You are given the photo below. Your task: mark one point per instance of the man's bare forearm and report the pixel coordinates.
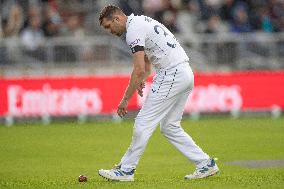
(146, 75)
(134, 83)
(137, 76)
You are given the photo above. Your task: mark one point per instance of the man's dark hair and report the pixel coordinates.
(108, 12)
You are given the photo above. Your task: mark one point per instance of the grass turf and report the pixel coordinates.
(36, 156)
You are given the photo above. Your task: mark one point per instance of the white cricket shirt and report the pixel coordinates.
(160, 45)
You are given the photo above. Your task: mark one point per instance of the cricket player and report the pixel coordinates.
(152, 43)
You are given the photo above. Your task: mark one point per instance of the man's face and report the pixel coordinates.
(113, 26)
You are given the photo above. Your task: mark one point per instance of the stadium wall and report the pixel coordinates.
(93, 95)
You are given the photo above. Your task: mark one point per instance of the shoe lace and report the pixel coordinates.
(196, 172)
(116, 166)
(199, 171)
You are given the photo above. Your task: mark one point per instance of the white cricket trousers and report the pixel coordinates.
(165, 104)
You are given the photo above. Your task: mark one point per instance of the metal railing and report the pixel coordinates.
(230, 51)
(208, 52)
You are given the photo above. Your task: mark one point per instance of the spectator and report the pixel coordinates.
(14, 22)
(131, 6)
(214, 25)
(241, 22)
(187, 18)
(1, 32)
(3, 54)
(169, 20)
(74, 28)
(53, 24)
(32, 36)
(266, 22)
(207, 7)
(71, 28)
(277, 14)
(226, 10)
(151, 7)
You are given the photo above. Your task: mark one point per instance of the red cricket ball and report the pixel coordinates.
(82, 178)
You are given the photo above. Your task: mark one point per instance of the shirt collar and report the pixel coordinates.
(129, 19)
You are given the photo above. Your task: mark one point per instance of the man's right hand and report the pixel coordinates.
(122, 108)
(140, 89)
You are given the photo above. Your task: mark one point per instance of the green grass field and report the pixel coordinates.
(36, 156)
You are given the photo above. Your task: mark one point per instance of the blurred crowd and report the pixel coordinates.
(32, 22)
(213, 16)
(34, 19)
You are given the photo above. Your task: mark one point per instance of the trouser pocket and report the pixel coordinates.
(164, 84)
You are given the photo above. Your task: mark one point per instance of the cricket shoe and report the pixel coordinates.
(209, 170)
(116, 174)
